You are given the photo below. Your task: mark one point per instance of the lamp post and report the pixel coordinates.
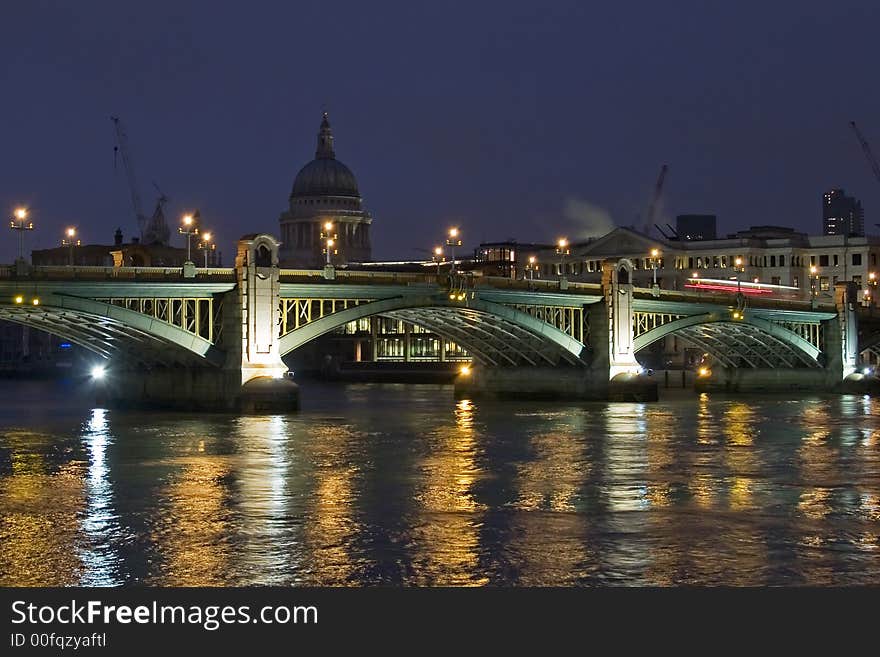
(452, 241)
(329, 238)
(655, 254)
(438, 257)
(562, 249)
(814, 282)
(188, 228)
(738, 266)
(70, 242)
(533, 263)
(206, 245)
(20, 223)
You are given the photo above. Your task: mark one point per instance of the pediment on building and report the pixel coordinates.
(621, 242)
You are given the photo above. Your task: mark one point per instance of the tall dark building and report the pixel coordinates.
(692, 227)
(842, 214)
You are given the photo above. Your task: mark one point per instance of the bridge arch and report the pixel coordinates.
(114, 332)
(757, 342)
(495, 334)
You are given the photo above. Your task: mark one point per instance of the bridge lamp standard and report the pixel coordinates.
(531, 267)
(738, 267)
(20, 223)
(329, 238)
(814, 281)
(562, 249)
(207, 245)
(438, 257)
(188, 228)
(70, 241)
(655, 262)
(453, 240)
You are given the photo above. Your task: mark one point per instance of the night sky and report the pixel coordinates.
(526, 120)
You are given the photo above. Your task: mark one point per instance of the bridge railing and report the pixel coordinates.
(61, 272)
(723, 298)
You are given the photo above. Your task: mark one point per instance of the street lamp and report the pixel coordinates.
(330, 240)
(738, 266)
(20, 223)
(206, 245)
(655, 254)
(814, 281)
(188, 228)
(452, 241)
(533, 264)
(69, 241)
(562, 249)
(438, 257)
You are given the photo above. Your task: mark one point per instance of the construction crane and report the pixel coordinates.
(658, 190)
(123, 149)
(866, 148)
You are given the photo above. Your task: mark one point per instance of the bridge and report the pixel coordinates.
(214, 338)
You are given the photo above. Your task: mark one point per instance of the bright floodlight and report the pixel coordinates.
(187, 219)
(453, 232)
(21, 214)
(563, 243)
(98, 372)
(438, 250)
(71, 232)
(655, 253)
(206, 237)
(465, 370)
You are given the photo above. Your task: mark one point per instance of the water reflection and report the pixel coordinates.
(100, 561)
(404, 485)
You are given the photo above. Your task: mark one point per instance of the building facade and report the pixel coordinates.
(325, 204)
(121, 254)
(842, 214)
(810, 264)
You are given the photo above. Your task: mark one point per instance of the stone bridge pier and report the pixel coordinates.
(608, 370)
(246, 372)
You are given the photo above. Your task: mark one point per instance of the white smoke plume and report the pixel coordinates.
(587, 219)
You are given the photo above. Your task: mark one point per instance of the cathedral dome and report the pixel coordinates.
(325, 175)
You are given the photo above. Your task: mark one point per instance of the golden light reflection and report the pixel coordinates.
(39, 527)
(332, 528)
(447, 546)
(193, 530)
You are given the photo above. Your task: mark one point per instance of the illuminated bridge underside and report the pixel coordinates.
(754, 342)
(114, 332)
(493, 333)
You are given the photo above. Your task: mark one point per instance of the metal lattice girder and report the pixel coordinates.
(192, 314)
(494, 332)
(111, 330)
(756, 341)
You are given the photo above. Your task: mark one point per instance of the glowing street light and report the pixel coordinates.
(438, 257)
(329, 238)
(562, 249)
(20, 223)
(655, 255)
(531, 267)
(70, 241)
(206, 245)
(188, 228)
(453, 240)
(738, 267)
(814, 281)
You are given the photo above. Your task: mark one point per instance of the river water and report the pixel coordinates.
(404, 485)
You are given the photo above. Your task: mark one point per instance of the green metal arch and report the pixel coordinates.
(298, 337)
(156, 328)
(779, 332)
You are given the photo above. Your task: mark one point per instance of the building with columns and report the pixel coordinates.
(773, 255)
(325, 192)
